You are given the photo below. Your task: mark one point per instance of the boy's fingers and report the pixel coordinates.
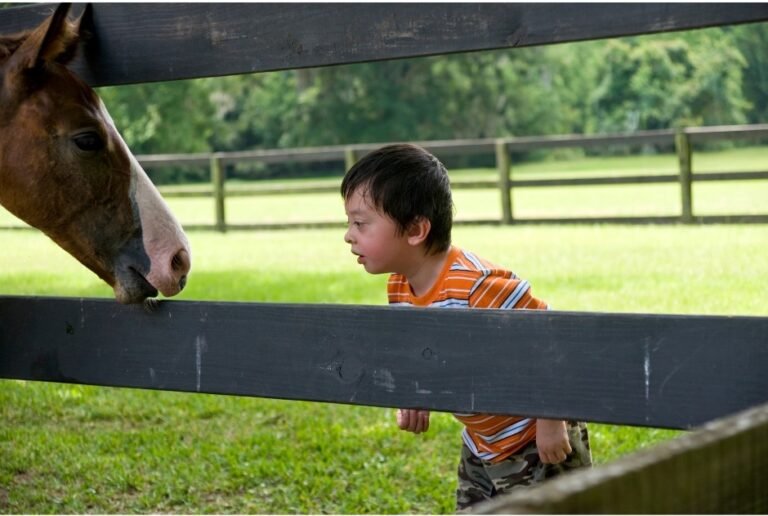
(404, 420)
(412, 420)
(417, 422)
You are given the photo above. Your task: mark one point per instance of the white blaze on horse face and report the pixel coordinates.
(164, 240)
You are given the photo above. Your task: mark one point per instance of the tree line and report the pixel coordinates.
(702, 77)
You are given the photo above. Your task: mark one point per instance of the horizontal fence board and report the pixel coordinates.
(724, 132)
(480, 185)
(167, 160)
(719, 469)
(729, 176)
(328, 224)
(145, 42)
(594, 181)
(585, 141)
(638, 369)
(461, 146)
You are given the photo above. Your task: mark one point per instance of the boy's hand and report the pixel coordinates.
(413, 420)
(552, 441)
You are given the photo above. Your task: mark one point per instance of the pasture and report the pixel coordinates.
(69, 448)
(709, 198)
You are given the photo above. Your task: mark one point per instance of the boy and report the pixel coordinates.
(400, 213)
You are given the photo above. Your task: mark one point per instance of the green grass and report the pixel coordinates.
(75, 449)
(709, 198)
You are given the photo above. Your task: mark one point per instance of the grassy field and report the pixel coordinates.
(76, 449)
(709, 198)
(713, 198)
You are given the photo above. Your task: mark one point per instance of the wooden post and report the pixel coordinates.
(218, 177)
(683, 146)
(349, 158)
(505, 185)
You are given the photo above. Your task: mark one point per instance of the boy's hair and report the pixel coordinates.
(405, 182)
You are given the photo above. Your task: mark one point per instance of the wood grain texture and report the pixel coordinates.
(145, 42)
(637, 369)
(719, 469)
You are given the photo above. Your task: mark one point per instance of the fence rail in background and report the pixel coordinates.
(502, 148)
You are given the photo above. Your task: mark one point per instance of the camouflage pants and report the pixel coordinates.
(480, 480)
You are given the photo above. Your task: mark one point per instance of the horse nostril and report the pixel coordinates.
(176, 262)
(180, 262)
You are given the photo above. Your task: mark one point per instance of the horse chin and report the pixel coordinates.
(131, 287)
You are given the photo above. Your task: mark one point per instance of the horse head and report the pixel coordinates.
(65, 169)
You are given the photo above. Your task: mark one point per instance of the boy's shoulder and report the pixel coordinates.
(467, 261)
(470, 281)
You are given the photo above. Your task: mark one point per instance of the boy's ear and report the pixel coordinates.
(418, 230)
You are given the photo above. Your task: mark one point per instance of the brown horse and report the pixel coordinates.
(66, 170)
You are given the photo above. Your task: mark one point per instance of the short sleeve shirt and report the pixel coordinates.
(468, 281)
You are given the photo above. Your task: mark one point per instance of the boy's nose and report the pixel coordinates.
(347, 237)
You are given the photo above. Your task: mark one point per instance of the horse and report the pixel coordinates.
(66, 170)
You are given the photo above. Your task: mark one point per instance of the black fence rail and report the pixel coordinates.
(668, 371)
(674, 371)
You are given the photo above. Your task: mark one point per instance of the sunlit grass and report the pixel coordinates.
(709, 198)
(77, 449)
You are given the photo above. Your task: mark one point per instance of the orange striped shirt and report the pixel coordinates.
(468, 281)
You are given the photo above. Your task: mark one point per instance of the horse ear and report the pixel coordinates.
(82, 30)
(53, 40)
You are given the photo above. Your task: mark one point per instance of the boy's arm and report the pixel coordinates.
(552, 441)
(413, 420)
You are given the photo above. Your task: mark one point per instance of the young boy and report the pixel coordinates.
(400, 213)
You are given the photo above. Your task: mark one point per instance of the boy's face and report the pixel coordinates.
(373, 236)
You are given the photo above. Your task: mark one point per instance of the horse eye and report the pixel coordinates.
(89, 141)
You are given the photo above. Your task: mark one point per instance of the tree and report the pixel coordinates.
(752, 42)
(161, 117)
(660, 83)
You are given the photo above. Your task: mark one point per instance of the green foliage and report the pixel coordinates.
(704, 77)
(662, 83)
(170, 117)
(162, 117)
(752, 40)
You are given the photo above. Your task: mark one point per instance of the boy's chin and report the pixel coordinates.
(372, 269)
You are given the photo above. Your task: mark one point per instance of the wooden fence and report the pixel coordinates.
(720, 469)
(655, 370)
(638, 369)
(502, 148)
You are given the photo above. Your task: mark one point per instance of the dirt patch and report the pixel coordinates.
(5, 502)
